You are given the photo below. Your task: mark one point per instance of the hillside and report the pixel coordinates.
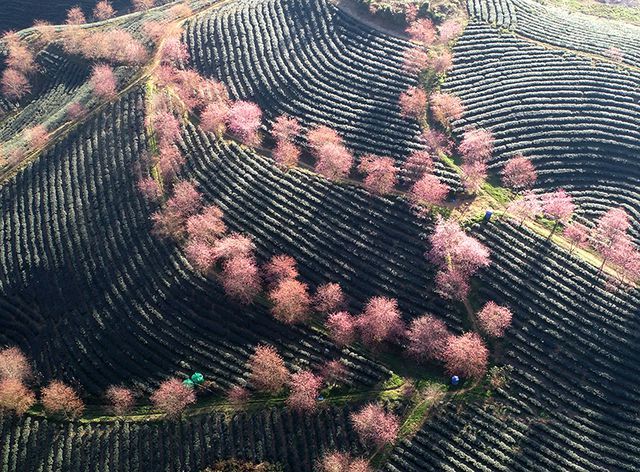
(150, 187)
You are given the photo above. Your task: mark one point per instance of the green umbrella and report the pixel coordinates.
(188, 382)
(197, 378)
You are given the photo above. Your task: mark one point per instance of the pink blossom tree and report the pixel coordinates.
(422, 31)
(415, 60)
(241, 278)
(342, 328)
(206, 226)
(413, 103)
(120, 400)
(238, 396)
(417, 165)
(233, 245)
(375, 426)
(143, 5)
(214, 118)
(19, 57)
(75, 16)
(291, 301)
(15, 84)
(244, 121)
(446, 107)
(466, 355)
(333, 161)
(285, 128)
(333, 372)
(59, 398)
(280, 267)
(440, 61)
(14, 364)
(36, 137)
(166, 127)
(476, 145)
(305, 388)
(380, 174)
(473, 176)
(494, 319)
(449, 30)
(320, 136)
(172, 397)
(75, 110)
(103, 10)
(200, 255)
(610, 232)
(267, 370)
(336, 461)
(286, 154)
(15, 396)
(452, 283)
(519, 173)
(558, 206)
(529, 206)
(174, 51)
(170, 222)
(329, 298)
(380, 321)
(436, 142)
(428, 337)
(577, 234)
(103, 81)
(429, 191)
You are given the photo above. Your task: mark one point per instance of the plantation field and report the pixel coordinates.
(310, 60)
(578, 122)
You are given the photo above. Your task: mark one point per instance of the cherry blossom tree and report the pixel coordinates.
(291, 301)
(519, 173)
(558, 206)
(417, 165)
(238, 396)
(103, 81)
(610, 232)
(428, 337)
(75, 16)
(329, 298)
(233, 245)
(342, 328)
(280, 267)
(14, 364)
(46, 32)
(413, 103)
(494, 319)
(473, 176)
(305, 388)
(445, 107)
(172, 397)
(267, 370)
(380, 321)
(322, 135)
(37, 137)
(415, 60)
(429, 191)
(333, 372)
(15, 396)
(440, 61)
(103, 10)
(206, 226)
(626, 257)
(166, 127)
(214, 118)
(59, 398)
(170, 222)
(577, 234)
(15, 84)
(423, 31)
(333, 161)
(170, 160)
(174, 51)
(449, 30)
(452, 283)
(285, 128)
(529, 206)
(200, 255)
(476, 145)
(381, 174)
(75, 110)
(336, 461)
(143, 5)
(19, 57)
(241, 278)
(120, 400)
(375, 426)
(286, 154)
(244, 121)
(466, 355)
(436, 142)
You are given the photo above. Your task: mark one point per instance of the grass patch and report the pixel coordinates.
(601, 10)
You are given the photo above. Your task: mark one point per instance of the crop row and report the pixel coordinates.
(110, 303)
(372, 246)
(310, 60)
(274, 435)
(579, 123)
(541, 23)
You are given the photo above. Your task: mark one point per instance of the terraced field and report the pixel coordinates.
(556, 27)
(578, 122)
(570, 401)
(312, 61)
(274, 435)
